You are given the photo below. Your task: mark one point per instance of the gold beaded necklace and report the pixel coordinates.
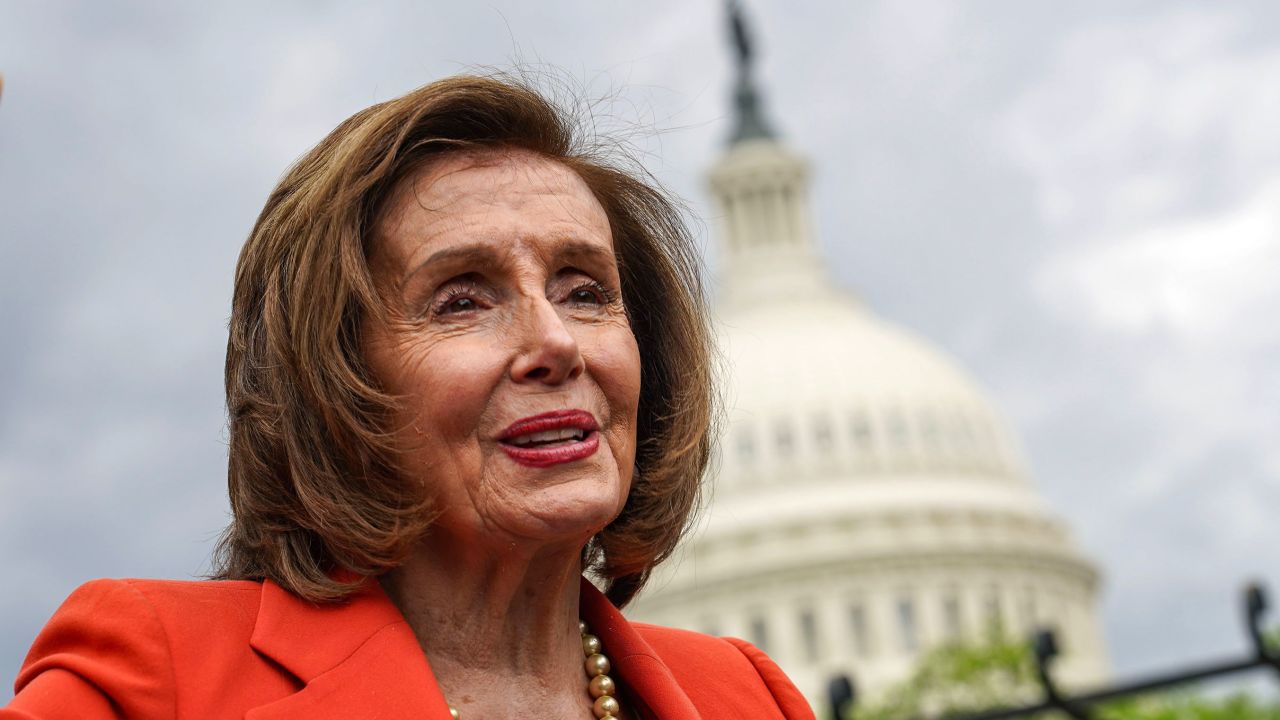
(602, 687)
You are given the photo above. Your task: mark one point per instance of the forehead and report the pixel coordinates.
(493, 196)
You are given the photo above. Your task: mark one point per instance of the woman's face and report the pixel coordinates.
(509, 344)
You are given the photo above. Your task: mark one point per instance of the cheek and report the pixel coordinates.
(619, 377)
(632, 364)
(443, 385)
(618, 371)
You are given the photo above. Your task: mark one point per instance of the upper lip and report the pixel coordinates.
(554, 420)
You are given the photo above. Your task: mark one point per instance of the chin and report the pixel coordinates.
(572, 519)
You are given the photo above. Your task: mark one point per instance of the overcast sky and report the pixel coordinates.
(1079, 201)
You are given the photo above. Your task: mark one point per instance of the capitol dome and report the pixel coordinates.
(868, 500)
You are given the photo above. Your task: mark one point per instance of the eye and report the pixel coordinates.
(461, 304)
(459, 299)
(591, 293)
(584, 295)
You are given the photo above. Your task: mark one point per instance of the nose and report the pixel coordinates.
(548, 352)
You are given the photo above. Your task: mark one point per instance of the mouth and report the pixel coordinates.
(551, 438)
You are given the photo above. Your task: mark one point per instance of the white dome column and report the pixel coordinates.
(766, 248)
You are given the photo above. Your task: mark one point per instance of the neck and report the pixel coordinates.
(496, 626)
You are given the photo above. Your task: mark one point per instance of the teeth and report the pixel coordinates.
(548, 436)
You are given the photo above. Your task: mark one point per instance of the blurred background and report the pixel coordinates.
(1077, 203)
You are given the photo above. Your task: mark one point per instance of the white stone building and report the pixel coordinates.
(868, 501)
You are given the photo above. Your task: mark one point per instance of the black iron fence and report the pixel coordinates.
(1080, 706)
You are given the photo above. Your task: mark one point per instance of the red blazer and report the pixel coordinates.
(144, 649)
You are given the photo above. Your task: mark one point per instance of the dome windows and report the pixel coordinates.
(808, 634)
(952, 620)
(759, 631)
(860, 636)
(896, 427)
(963, 438)
(1027, 609)
(822, 435)
(783, 438)
(860, 431)
(908, 632)
(994, 612)
(930, 439)
(900, 437)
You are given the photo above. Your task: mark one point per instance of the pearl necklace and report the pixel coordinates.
(602, 687)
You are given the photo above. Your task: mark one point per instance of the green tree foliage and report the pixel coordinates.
(1187, 706)
(958, 679)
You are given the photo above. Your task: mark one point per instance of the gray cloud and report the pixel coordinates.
(1026, 185)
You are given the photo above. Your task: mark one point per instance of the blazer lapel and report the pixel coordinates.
(636, 667)
(358, 659)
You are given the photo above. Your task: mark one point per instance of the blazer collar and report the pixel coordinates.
(643, 677)
(359, 658)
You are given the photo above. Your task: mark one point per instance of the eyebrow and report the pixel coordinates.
(463, 255)
(581, 250)
(570, 250)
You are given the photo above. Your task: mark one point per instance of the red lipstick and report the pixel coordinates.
(551, 438)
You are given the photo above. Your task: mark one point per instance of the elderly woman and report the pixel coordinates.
(468, 363)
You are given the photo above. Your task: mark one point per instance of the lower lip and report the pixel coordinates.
(548, 456)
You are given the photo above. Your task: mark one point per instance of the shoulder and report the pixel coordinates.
(203, 612)
(714, 671)
(161, 596)
(188, 600)
(125, 642)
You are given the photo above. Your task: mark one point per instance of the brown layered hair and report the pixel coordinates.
(316, 487)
